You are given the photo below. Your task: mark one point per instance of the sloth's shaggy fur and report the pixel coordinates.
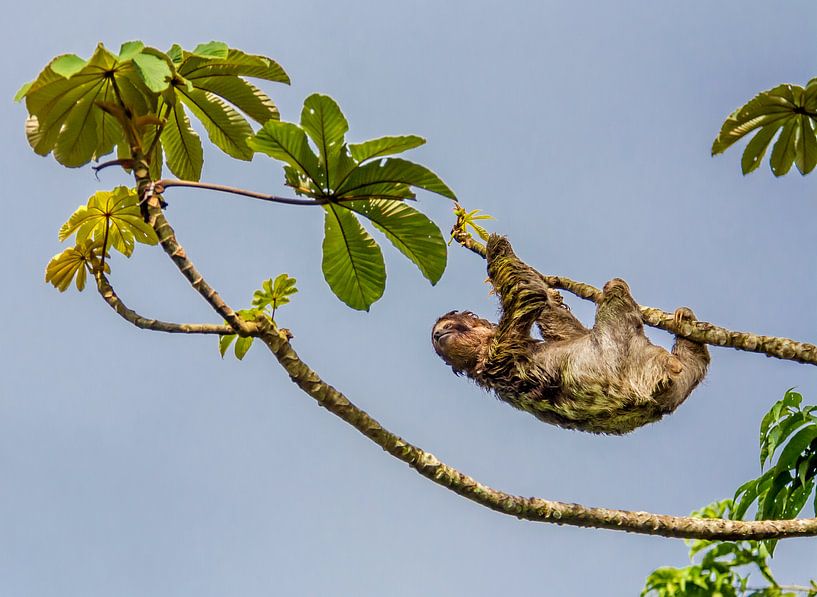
(608, 379)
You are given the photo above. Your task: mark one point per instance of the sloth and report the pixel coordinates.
(608, 379)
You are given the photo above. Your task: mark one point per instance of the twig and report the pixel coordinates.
(107, 292)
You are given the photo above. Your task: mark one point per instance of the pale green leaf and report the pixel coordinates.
(225, 127)
(154, 70)
(242, 345)
(182, 144)
(236, 63)
(352, 262)
(224, 343)
(242, 94)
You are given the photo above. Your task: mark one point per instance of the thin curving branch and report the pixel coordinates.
(533, 509)
(700, 331)
(425, 463)
(152, 202)
(107, 292)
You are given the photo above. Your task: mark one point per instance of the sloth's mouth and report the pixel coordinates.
(440, 334)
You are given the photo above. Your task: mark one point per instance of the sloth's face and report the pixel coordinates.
(460, 339)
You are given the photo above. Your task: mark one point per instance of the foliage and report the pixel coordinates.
(80, 110)
(790, 110)
(780, 493)
(357, 179)
(265, 301)
(468, 219)
(109, 219)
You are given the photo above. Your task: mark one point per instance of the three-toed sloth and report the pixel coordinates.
(608, 379)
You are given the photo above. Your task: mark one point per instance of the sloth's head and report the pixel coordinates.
(461, 339)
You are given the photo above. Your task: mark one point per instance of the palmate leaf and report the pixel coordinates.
(352, 262)
(73, 264)
(274, 293)
(113, 215)
(789, 110)
(225, 127)
(64, 102)
(414, 235)
(344, 178)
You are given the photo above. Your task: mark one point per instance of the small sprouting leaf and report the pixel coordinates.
(113, 214)
(391, 171)
(789, 109)
(274, 293)
(352, 262)
(287, 142)
(384, 146)
(414, 235)
(74, 262)
(468, 219)
(224, 343)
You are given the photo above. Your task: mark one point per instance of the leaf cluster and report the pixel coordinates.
(265, 301)
(717, 567)
(80, 110)
(789, 110)
(354, 180)
(789, 430)
(110, 219)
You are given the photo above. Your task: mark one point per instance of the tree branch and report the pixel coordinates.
(425, 463)
(699, 331)
(533, 509)
(107, 292)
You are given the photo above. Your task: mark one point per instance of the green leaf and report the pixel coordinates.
(779, 433)
(384, 146)
(243, 95)
(756, 148)
(74, 263)
(114, 214)
(796, 446)
(212, 49)
(352, 262)
(224, 343)
(236, 63)
(783, 152)
(414, 235)
(154, 70)
(274, 293)
(287, 142)
(182, 144)
(225, 127)
(805, 156)
(242, 345)
(326, 125)
(392, 170)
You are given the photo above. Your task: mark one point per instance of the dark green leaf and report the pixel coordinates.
(352, 262)
(784, 150)
(414, 235)
(326, 125)
(392, 170)
(756, 148)
(795, 447)
(287, 142)
(384, 146)
(806, 145)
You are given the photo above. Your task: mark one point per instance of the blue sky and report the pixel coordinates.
(135, 463)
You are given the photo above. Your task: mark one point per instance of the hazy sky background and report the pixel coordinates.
(134, 463)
